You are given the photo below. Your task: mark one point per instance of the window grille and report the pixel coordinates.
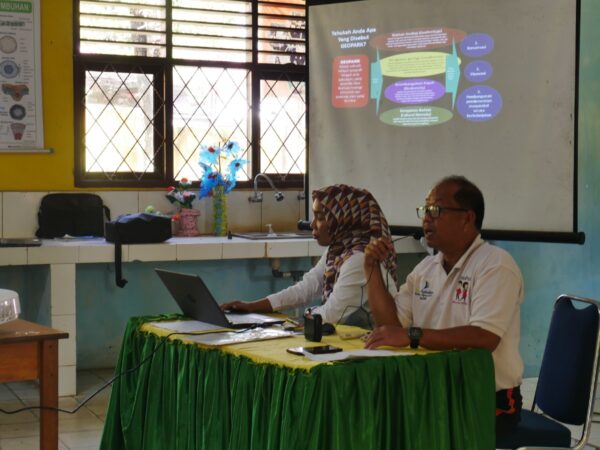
(155, 79)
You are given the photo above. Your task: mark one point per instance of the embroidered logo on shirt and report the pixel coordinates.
(461, 293)
(424, 292)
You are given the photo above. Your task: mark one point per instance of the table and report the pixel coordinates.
(245, 396)
(30, 351)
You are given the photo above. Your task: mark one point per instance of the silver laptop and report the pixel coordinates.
(197, 302)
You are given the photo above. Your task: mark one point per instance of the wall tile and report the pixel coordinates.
(282, 215)
(19, 213)
(67, 350)
(159, 201)
(13, 256)
(120, 202)
(100, 253)
(52, 254)
(247, 250)
(67, 380)
(314, 249)
(287, 248)
(152, 252)
(62, 285)
(67, 355)
(241, 214)
(195, 252)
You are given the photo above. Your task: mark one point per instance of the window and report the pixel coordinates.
(155, 79)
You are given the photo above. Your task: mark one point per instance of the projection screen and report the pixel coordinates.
(403, 93)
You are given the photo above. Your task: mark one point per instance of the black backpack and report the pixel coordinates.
(139, 228)
(75, 214)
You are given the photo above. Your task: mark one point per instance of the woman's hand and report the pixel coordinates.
(237, 306)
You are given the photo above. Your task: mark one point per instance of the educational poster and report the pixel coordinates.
(21, 121)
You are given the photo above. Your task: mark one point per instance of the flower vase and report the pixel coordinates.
(219, 206)
(188, 222)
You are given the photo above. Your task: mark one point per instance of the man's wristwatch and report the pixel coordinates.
(414, 334)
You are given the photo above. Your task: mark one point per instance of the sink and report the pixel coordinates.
(270, 236)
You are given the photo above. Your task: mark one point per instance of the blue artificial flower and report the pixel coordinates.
(229, 185)
(209, 154)
(234, 166)
(231, 149)
(207, 183)
(219, 167)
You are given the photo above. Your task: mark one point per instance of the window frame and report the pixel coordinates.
(161, 69)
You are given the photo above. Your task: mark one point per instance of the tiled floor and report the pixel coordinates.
(79, 431)
(82, 430)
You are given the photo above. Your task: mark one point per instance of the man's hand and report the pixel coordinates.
(381, 301)
(377, 251)
(466, 336)
(391, 335)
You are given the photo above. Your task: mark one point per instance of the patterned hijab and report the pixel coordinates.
(353, 218)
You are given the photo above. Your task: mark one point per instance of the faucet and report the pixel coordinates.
(257, 197)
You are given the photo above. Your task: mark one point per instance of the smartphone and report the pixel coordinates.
(318, 350)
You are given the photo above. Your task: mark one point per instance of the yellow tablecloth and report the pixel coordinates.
(274, 351)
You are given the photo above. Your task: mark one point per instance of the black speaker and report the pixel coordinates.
(313, 327)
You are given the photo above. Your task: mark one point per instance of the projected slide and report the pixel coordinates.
(418, 71)
(402, 93)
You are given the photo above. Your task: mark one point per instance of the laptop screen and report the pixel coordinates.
(197, 302)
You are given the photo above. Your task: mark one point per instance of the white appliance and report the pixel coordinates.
(9, 306)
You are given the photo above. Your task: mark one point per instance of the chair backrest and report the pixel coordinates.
(567, 380)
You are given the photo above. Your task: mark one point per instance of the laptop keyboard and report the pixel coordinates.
(249, 318)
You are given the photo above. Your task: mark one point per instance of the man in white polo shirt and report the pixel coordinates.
(468, 295)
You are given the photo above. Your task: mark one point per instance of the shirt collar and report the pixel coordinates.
(439, 258)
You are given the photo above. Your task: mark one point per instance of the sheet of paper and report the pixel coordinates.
(232, 337)
(356, 354)
(248, 318)
(186, 326)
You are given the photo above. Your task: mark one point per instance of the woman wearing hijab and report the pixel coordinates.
(345, 219)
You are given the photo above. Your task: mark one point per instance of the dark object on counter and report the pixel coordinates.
(20, 242)
(304, 225)
(73, 214)
(327, 329)
(139, 228)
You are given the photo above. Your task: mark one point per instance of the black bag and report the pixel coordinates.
(139, 228)
(75, 214)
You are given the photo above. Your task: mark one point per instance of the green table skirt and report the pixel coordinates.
(184, 397)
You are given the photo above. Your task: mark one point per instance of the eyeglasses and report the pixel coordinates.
(434, 211)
